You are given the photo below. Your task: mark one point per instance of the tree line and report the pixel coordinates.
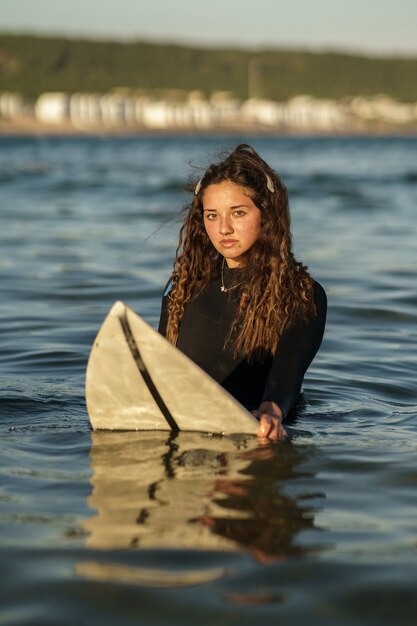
(32, 65)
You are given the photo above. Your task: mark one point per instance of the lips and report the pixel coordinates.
(227, 243)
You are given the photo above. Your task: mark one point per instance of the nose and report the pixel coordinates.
(225, 226)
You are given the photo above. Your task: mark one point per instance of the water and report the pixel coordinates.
(148, 529)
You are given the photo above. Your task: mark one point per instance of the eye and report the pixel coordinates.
(239, 213)
(210, 216)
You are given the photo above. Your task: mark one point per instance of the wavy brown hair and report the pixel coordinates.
(276, 287)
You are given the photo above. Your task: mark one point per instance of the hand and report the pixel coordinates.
(270, 421)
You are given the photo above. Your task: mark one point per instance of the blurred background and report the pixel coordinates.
(270, 66)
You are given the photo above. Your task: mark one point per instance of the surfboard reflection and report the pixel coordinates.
(159, 490)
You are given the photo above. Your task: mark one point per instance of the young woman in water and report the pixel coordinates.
(238, 303)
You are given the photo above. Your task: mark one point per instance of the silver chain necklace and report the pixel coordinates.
(223, 288)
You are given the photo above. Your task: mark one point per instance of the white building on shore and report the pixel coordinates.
(52, 108)
(384, 109)
(126, 110)
(309, 113)
(119, 109)
(12, 106)
(301, 112)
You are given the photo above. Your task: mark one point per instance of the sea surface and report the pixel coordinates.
(151, 528)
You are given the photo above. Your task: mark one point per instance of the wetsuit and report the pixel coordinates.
(203, 330)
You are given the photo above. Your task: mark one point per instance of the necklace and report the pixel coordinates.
(223, 288)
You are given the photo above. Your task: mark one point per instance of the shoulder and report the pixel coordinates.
(168, 288)
(320, 299)
(319, 292)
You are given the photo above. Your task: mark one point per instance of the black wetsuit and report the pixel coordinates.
(203, 330)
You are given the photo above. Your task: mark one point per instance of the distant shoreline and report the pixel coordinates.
(33, 128)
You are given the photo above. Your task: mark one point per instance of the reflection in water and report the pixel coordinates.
(153, 489)
(192, 491)
(146, 576)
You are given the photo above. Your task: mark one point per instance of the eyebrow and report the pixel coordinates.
(237, 206)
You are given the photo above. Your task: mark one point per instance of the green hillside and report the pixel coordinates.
(32, 65)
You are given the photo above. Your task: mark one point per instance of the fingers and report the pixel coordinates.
(270, 427)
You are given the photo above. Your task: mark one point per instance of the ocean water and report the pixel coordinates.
(150, 529)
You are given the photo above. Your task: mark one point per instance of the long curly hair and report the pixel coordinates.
(276, 287)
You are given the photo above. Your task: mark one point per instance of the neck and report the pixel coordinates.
(232, 263)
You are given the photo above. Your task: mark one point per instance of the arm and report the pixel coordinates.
(297, 348)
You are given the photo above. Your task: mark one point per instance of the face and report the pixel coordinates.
(231, 219)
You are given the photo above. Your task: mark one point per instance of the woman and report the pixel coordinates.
(238, 303)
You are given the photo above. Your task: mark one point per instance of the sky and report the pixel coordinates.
(375, 27)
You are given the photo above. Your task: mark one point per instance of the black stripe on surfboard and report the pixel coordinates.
(145, 373)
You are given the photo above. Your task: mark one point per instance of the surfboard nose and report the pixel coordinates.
(118, 309)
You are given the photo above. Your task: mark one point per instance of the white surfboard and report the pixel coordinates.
(137, 380)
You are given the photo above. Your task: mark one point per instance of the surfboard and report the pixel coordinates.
(137, 380)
